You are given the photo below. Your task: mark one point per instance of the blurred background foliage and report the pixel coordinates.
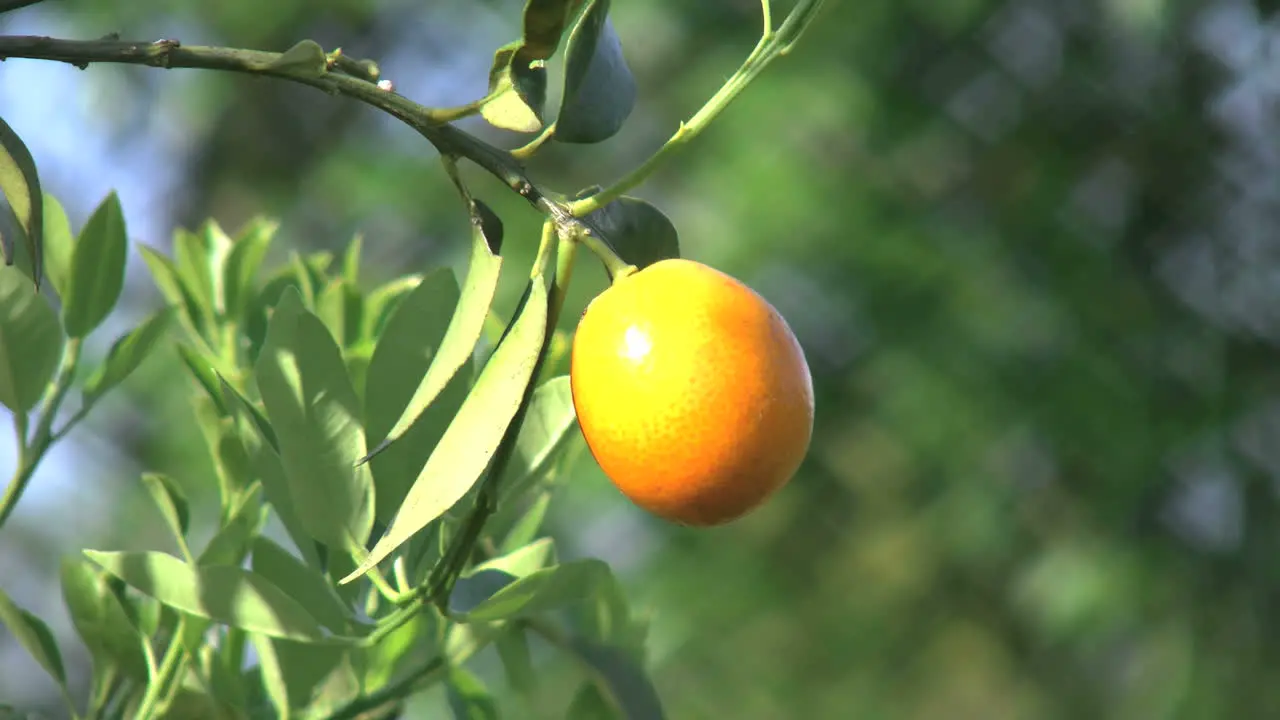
(1030, 247)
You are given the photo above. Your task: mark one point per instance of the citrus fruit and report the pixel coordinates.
(691, 391)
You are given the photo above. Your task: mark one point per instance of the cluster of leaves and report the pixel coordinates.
(295, 376)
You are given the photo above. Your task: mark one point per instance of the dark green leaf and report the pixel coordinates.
(33, 635)
(221, 593)
(315, 414)
(305, 59)
(590, 704)
(469, 699)
(480, 583)
(96, 613)
(311, 589)
(175, 290)
(127, 353)
(517, 662)
(230, 545)
(266, 301)
(20, 185)
(172, 503)
(637, 231)
(97, 269)
(240, 272)
(472, 438)
(402, 358)
(544, 22)
(622, 679)
(239, 404)
(599, 91)
(465, 325)
(547, 589)
(59, 246)
(30, 342)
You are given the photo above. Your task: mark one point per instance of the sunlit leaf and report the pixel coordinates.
(20, 186)
(59, 246)
(97, 269)
(171, 501)
(479, 426)
(465, 325)
(547, 589)
(127, 353)
(107, 632)
(304, 584)
(175, 290)
(230, 545)
(221, 593)
(240, 271)
(402, 358)
(315, 414)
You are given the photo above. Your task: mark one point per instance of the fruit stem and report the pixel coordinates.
(613, 263)
(564, 271)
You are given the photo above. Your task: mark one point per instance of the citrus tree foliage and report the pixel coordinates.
(409, 465)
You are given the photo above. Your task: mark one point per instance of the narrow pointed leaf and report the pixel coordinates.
(468, 697)
(599, 90)
(547, 589)
(240, 271)
(20, 185)
(517, 661)
(107, 632)
(59, 245)
(273, 679)
(315, 414)
(381, 304)
(476, 431)
(622, 680)
(34, 636)
(590, 703)
(466, 324)
(221, 593)
(525, 530)
(402, 358)
(547, 425)
(127, 353)
(171, 501)
(311, 589)
(97, 269)
(30, 342)
(230, 545)
(174, 290)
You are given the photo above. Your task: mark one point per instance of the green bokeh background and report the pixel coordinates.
(1030, 248)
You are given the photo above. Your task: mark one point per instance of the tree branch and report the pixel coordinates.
(431, 123)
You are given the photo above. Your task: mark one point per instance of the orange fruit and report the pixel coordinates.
(691, 391)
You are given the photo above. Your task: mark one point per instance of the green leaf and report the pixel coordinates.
(518, 92)
(339, 306)
(517, 661)
(465, 325)
(547, 425)
(171, 501)
(621, 679)
(222, 593)
(240, 272)
(525, 530)
(381, 304)
(110, 636)
(306, 585)
(469, 699)
(239, 405)
(403, 357)
(351, 261)
(544, 22)
(202, 370)
(481, 582)
(59, 246)
(637, 231)
(127, 354)
(201, 259)
(230, 545)
(30, 342)
(294, 275)
(33, 635)
(315, 414)
(547, 589)
(589, 703)
(306, 59)
(20, 185)
(273, 678)
(97, 269)
(599, 90)
(477, 430)
(175, 290)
